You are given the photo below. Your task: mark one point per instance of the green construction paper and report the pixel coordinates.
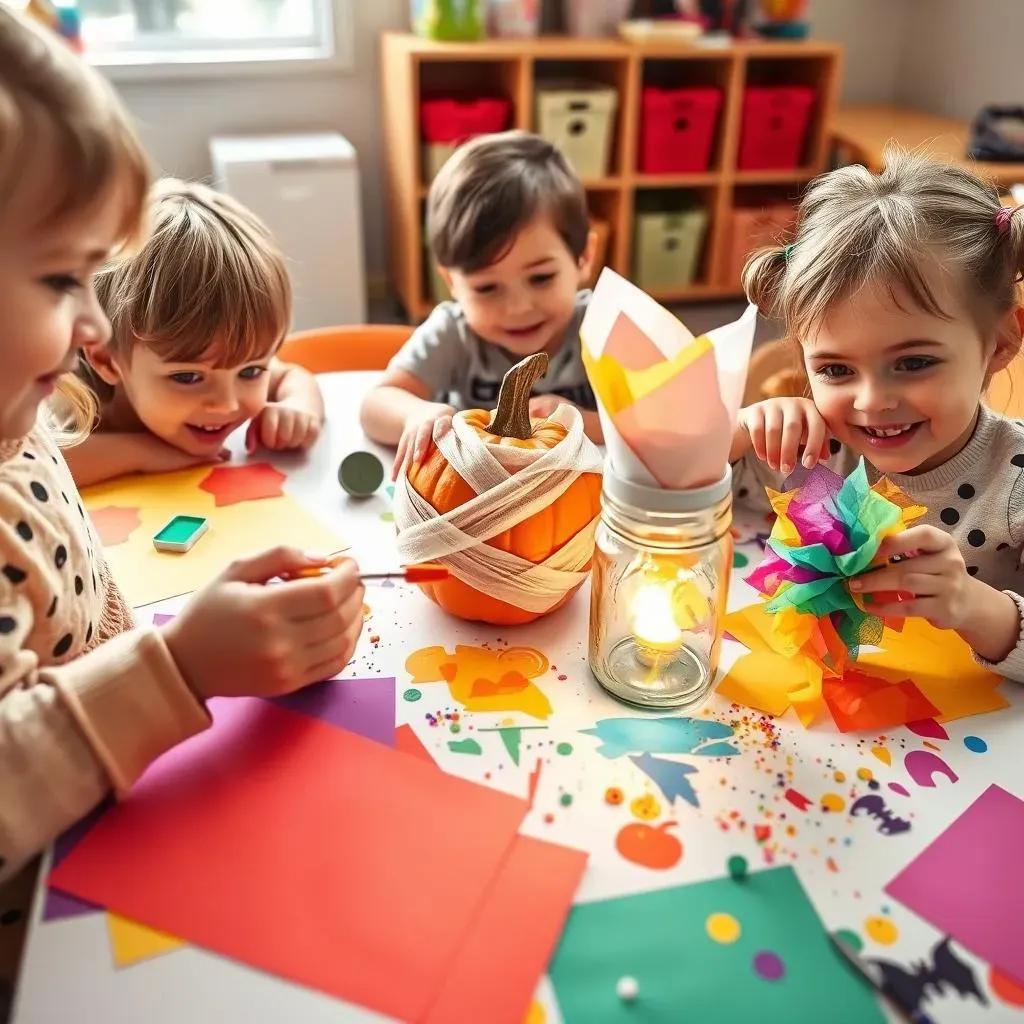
(180, 529)
(660, 938)
(512, 737)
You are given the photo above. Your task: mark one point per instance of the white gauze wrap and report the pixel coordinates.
(512, 484)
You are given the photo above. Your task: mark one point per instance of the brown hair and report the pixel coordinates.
(494, 185)
(57, 113)
(857, 228)
(209, 273)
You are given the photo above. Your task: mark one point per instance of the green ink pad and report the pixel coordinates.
(360, 474)
(180, 534)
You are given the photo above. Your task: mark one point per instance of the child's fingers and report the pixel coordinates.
(816, 443)
(403, 448)
(773, 421)
(755, 428)
(789, 446)
(252, 435)
(914, 541)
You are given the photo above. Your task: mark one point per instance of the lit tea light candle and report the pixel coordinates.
(657, 634)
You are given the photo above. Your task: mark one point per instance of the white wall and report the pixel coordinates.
(962, 55)
(178, 118)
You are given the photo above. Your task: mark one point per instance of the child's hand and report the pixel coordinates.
(418, 434)
(543, 406)
(239, 637)
(281, 426)
(931, 572)
(778, 427)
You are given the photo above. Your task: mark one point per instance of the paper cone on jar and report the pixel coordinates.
(667, 401)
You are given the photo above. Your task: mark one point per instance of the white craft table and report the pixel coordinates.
(68, 976)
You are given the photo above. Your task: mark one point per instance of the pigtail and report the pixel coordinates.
(72, 411)
(764, 276)
(1016, 241)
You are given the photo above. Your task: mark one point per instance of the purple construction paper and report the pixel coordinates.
(57, 905)
(160, 619)
(967, 883)
(365, 706)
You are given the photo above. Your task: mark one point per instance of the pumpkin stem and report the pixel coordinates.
(512, 417)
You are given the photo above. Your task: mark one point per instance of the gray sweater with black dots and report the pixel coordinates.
(977, 497)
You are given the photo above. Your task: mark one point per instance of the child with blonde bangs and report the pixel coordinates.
(86, 702)
(901, 290)
(196, 316)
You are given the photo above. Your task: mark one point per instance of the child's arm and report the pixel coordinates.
(103, 456)
(294, 412)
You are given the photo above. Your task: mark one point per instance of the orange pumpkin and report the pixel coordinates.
(535, 539)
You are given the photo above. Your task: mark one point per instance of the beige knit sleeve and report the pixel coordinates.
(70, 733)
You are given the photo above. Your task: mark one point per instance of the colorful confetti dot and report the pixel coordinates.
(882, 754)
(850, 939)
(864, 774)
(881, 930)
(645, 807)
(412, 694)
(614, 796)
(898, 787)
(723, 928)
(564, 749)
(975, 744)
(839, 776)
(833, 803)
(565, 799)
(739, 560)
(548, 819)
(737, 866)
(769, 966)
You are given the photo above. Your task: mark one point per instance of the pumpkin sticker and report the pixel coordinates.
(485, 680)
(650, 846)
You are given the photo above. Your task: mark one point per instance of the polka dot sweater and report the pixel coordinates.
(86, 703)
(977, 497)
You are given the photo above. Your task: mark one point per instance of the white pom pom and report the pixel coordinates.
(627, 989)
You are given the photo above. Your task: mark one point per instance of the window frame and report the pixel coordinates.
(164, 57)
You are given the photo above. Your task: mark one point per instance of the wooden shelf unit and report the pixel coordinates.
(412, 66)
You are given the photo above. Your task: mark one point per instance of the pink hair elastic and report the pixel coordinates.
(1003, 217)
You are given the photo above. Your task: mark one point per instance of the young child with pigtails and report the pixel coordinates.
(901, 290)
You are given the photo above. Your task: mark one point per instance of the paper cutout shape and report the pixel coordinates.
(701, 736)
(858, 701)
(967, 882)
(669, 777)
(251, 482)
(146, 575)
(827, 531)
(115, 524)
(409, 743)
(341, 818)
(921, 981)
(481, 679)
(131, 943)
(667, 401)
(363, 706)
(650, 935)
(512, 737)
(58, 905)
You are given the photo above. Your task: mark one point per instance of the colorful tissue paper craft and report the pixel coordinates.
(242, 520)
(916, 668)
(667, 401)
(724, 950)
(827, 531)
(258, 841)
(967, 882)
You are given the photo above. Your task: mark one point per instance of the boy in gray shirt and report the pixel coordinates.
(507, 222)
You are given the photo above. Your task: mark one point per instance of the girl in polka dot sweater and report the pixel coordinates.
(900, 291)
(86, 702)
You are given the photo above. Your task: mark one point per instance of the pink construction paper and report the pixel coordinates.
(968, 882)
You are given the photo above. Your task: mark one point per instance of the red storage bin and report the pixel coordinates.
(774, 130)
(678, 129)
(454, 120)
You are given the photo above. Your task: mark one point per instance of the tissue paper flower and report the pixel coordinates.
(668, 402)
(828, 530)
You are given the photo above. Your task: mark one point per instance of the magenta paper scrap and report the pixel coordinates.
(968, 883)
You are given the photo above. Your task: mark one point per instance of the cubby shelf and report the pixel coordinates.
(412, 67)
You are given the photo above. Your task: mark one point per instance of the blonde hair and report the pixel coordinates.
(57, 113)
(209, 274)
(856, 228)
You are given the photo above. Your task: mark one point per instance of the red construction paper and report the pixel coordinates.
(509, 945)
(115, 523)
(858, 701)
(232, 484)
(408, 742)
(306, 851)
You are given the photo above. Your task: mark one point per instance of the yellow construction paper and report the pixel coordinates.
(131, 943)
(618, 388)
(768, 682)
(146, 575)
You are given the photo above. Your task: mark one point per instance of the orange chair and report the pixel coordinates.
(356, 347)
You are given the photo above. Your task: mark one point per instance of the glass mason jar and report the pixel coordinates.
(659, 585)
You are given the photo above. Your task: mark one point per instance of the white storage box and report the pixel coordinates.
(306, 189)
(579, 118)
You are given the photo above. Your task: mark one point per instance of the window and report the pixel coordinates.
(162, 32)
